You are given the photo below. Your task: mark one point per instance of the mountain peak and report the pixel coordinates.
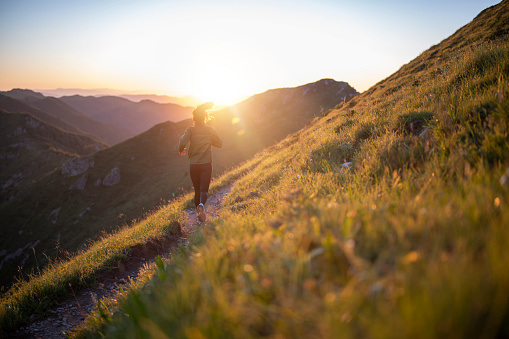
(26, 95)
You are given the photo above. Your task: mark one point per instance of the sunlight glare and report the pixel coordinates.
(218, 84)
(217, 75)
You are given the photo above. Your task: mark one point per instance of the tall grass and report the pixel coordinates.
(407, 240)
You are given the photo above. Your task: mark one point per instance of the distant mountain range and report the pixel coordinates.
(135, 96)
(9, 104)
(58, 113)
(136, 117)
(187, 101)
(86, 193)
(108, 118)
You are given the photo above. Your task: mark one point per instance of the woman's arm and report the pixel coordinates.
(184, 140)
(216, 142)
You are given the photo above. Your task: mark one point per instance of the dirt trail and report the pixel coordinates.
(212, 207)
(70, 313)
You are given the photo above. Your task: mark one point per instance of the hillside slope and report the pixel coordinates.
(187, 101)
(266, 118)
(24, 95)
(84, 196)
(386, 218)
(31, 149)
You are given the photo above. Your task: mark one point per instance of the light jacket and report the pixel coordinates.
(200, 139)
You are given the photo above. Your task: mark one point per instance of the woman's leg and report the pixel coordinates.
(205, 176)
(194, 171)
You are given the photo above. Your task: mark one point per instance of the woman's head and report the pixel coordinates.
(200, 113)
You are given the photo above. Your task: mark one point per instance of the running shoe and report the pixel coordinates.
(201, 212)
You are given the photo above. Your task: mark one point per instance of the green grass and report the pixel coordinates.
(408, 241)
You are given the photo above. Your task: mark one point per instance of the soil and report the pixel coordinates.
(70, 313)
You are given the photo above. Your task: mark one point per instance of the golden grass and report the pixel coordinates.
(408, 240)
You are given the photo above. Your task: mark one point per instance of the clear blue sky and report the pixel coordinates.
(218, 50)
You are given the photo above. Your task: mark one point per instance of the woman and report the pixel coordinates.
(200, 138)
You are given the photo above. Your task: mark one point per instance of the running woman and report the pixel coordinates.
(200, 138)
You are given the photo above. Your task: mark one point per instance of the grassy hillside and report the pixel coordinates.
(61, 210)
(65, 276)
(386, 218)
(31, 151)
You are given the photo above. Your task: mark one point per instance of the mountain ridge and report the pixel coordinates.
(109, 133)
(16, 106)
(135, 96)
(56, 108)
(134, 116)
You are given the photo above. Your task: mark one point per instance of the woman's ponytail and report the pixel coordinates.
(201, 114)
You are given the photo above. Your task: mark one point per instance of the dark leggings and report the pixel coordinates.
(200, 176)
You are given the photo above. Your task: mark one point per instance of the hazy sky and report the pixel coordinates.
(217, 50)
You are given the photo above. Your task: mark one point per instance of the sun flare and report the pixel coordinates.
(220, 85)
(218, 78)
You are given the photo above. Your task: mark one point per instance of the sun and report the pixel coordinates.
(219, 79)
(219, 84)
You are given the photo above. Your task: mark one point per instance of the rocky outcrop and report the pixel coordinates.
(17, 253)
(112, 178)
(54, 215)
(13, 180)
(18, 131)
(32, 122)
(80, 183)
(76, 166)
